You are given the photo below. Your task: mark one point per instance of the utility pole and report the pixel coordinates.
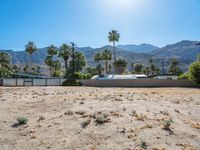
(163, 67)
(73, 66)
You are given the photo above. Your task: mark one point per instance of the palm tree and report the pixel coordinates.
(30, 48)
(106, 55)
(120, 66)
(110, 68)
(56, 67)
(5, 59)
(52, 50)
(65, 52)
(98, 58)
(49, 62)
(174, 68)
(114, 37)
(132, 66)
(153, 69)
(79, 62)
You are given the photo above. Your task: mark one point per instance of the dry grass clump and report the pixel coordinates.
(85, 123)
(143, 144)
(101, 118)
(165, 112)
(195, 125)
(68, 113)
(80, 112)
(167, 124)
(139, 117)
(41, 118)
(186, 146)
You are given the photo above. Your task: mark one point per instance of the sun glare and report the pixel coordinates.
(122, 3)
(119, 6)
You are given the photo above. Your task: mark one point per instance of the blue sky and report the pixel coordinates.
(87, 22)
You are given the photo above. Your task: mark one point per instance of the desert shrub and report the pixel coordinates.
(80, 112)
(71, 82)
(22, 120)
(143, 144)
(167, 124)
(194, 71)
(85, 123)
(124, 108)
(68, 113)
(101, 118)
(41, 118)
(165, 112)
(184, 76)
(134, 113)
(139, 117)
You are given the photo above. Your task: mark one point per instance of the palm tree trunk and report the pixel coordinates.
(114, 52)
(66, 65)
(106, 66)
(30, 64)
(50, 71)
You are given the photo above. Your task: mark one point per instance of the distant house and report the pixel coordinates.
(117, 77)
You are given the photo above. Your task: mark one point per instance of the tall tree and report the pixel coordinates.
(52, 51)
(138, 68)
(30, 48)
(5, 59)
(99, 68)
(110, 68)
(173, 68)
(49, 63)
(5, 64)
(113, 37)
(107, 56)
(56, 65)
(98, 58)
(194, 71)
(65, 52)
(26, 68)
(132, 67)
(79, 62)
(120, 66)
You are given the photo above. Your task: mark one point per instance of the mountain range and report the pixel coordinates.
(142, 48)
(185, 52)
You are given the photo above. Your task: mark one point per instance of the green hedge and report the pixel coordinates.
(81, 76)
(71, 82)
(184, 76)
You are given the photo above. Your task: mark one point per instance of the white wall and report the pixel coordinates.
(36, 82)
(138, 83)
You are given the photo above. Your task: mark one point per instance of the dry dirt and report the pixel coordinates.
(114, 118)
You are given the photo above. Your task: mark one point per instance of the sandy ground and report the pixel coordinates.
(132, 118)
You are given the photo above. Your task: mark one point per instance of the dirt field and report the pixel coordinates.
(82, 118)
